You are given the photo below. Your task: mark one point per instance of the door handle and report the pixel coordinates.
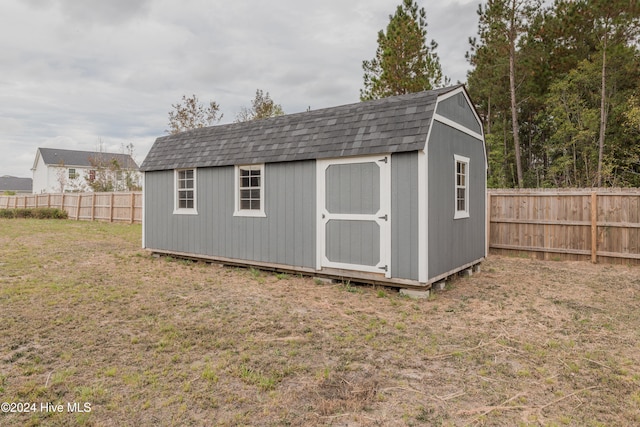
(385, 217)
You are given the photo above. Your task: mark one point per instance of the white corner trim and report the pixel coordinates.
(144, 222)
(423, 217)
(321, 166)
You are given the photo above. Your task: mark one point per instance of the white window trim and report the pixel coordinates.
(465, 213)
(185, 211)
(236, 190)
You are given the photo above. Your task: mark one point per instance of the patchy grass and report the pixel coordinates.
(87, 316)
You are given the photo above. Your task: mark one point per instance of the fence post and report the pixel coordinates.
(78, 206)
(488, 226)
(93, 206)
(111, 213)
(133, 202)
(594, 227)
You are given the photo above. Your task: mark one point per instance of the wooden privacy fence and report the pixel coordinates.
(596, 224)
(112, 207)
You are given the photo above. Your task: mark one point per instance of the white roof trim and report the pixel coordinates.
(457, 126)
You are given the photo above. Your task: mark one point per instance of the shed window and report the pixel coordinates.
(185, 189)
(461, 196)
(250, 190)
(72, 173)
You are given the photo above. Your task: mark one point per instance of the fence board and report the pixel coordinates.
(111, 207)
(597, 224)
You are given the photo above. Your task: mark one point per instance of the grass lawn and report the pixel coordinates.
(86, 316)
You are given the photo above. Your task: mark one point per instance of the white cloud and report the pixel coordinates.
(75, 72)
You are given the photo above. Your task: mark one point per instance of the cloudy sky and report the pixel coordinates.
(77, 74)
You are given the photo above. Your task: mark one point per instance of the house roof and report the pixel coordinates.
(389, 125)
(56, 156)
(12, 183)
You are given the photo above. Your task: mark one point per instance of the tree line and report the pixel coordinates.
(557, 87)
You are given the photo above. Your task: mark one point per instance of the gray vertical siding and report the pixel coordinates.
(286, 236)
(353, 242)
(453, 243)
(404, 215)
(353, 188)
(457, 108)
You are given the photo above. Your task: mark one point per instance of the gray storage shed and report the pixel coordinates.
(387, 191)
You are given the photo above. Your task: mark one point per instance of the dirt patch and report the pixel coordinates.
(87, 316)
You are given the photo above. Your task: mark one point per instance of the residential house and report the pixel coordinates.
(56, 171)
(13, 184)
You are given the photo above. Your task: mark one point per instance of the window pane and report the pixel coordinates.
(190, 204)
(249, 182)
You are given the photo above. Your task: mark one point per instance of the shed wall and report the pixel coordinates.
(404, 215)
(285, 236)
(457, 108)
(454, 242)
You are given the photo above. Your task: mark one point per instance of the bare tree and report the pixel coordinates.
(262, 106)
(191, 114)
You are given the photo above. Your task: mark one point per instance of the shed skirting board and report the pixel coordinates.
(331, 273)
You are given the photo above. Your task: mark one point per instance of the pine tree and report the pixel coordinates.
(403, 62)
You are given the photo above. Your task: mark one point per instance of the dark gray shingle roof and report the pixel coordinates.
(388, 125)
(56, 156)
(13, 183)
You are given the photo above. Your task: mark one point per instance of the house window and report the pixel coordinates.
(249, 190)
(92, 175)
(461, 187)
(72, 174)
(185, 189)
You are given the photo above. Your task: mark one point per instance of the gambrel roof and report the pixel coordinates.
(56, 156)
(389, 125)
